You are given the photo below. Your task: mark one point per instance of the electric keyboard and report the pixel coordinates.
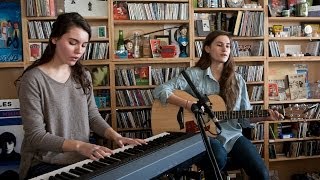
(162, 153)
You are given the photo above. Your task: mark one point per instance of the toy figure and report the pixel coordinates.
(129, 47)
(183, 40)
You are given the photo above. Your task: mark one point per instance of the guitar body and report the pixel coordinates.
(164, 116)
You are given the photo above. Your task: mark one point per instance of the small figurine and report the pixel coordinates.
(129, 47)
(183, 40)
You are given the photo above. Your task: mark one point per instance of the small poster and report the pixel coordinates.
(87, 7)
(10, 32)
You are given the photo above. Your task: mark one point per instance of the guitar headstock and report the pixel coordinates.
(296, 111)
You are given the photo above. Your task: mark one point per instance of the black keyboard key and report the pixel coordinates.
(61, 177)
(71, 176)
(82, 170)
(88, 166)
(77, 172)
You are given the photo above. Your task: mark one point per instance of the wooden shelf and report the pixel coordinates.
(227, 9)
(135, 87)
(293, 19)
(147, 26)
(149, 22)
(294, 59)
(293, 139)
(283, 158)
(151, 61)
(294, 38)
(133, 107)
(295, 101)
(11, 65)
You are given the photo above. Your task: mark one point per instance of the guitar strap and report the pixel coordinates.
(194, 89)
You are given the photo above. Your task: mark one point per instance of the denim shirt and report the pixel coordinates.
(207, 84)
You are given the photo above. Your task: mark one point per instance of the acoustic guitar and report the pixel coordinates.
(164, 117)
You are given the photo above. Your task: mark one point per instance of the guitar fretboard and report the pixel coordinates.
(223, 115)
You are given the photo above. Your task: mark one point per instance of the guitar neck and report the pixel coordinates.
(224, 115)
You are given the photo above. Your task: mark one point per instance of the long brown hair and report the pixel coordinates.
(229, 89)
(60, 27)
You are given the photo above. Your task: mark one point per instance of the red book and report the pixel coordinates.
(273, 91)
(142, 75)
(168, 51)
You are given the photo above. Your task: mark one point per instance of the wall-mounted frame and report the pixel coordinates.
(164, 39)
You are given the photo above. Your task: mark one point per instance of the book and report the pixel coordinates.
(283, 89)
(202, 27)
(276, 7)
(271, 133)
(155, 47)
(10, 160)
(120, 10)
(142, 75)
(272, 151)
(10, 32)
(237, 24)
(35, 51)
(313, 48)
(297, 86)
(273, 91)
(100, 76)
(168, 51)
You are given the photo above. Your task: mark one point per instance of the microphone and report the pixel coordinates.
(207, 109)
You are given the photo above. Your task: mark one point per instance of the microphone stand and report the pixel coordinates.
(198, 114)
(197, 110)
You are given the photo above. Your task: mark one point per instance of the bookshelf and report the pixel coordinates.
(279, 68)
(273, 67)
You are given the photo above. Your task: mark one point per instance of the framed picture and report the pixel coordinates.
(164, 39)
(102, 31)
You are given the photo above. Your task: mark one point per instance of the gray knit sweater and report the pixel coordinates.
(52, 112)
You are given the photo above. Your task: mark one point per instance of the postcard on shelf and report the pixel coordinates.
(277, 29)
(273, 91)
(155, 47)
(120, 10)
(10, 32)
(292, 49)
(100, 76)
(87, 7)
(276, 6)
(202, 27)
(142, 75)
(99, 31)
(297, 86)
(35, 51)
